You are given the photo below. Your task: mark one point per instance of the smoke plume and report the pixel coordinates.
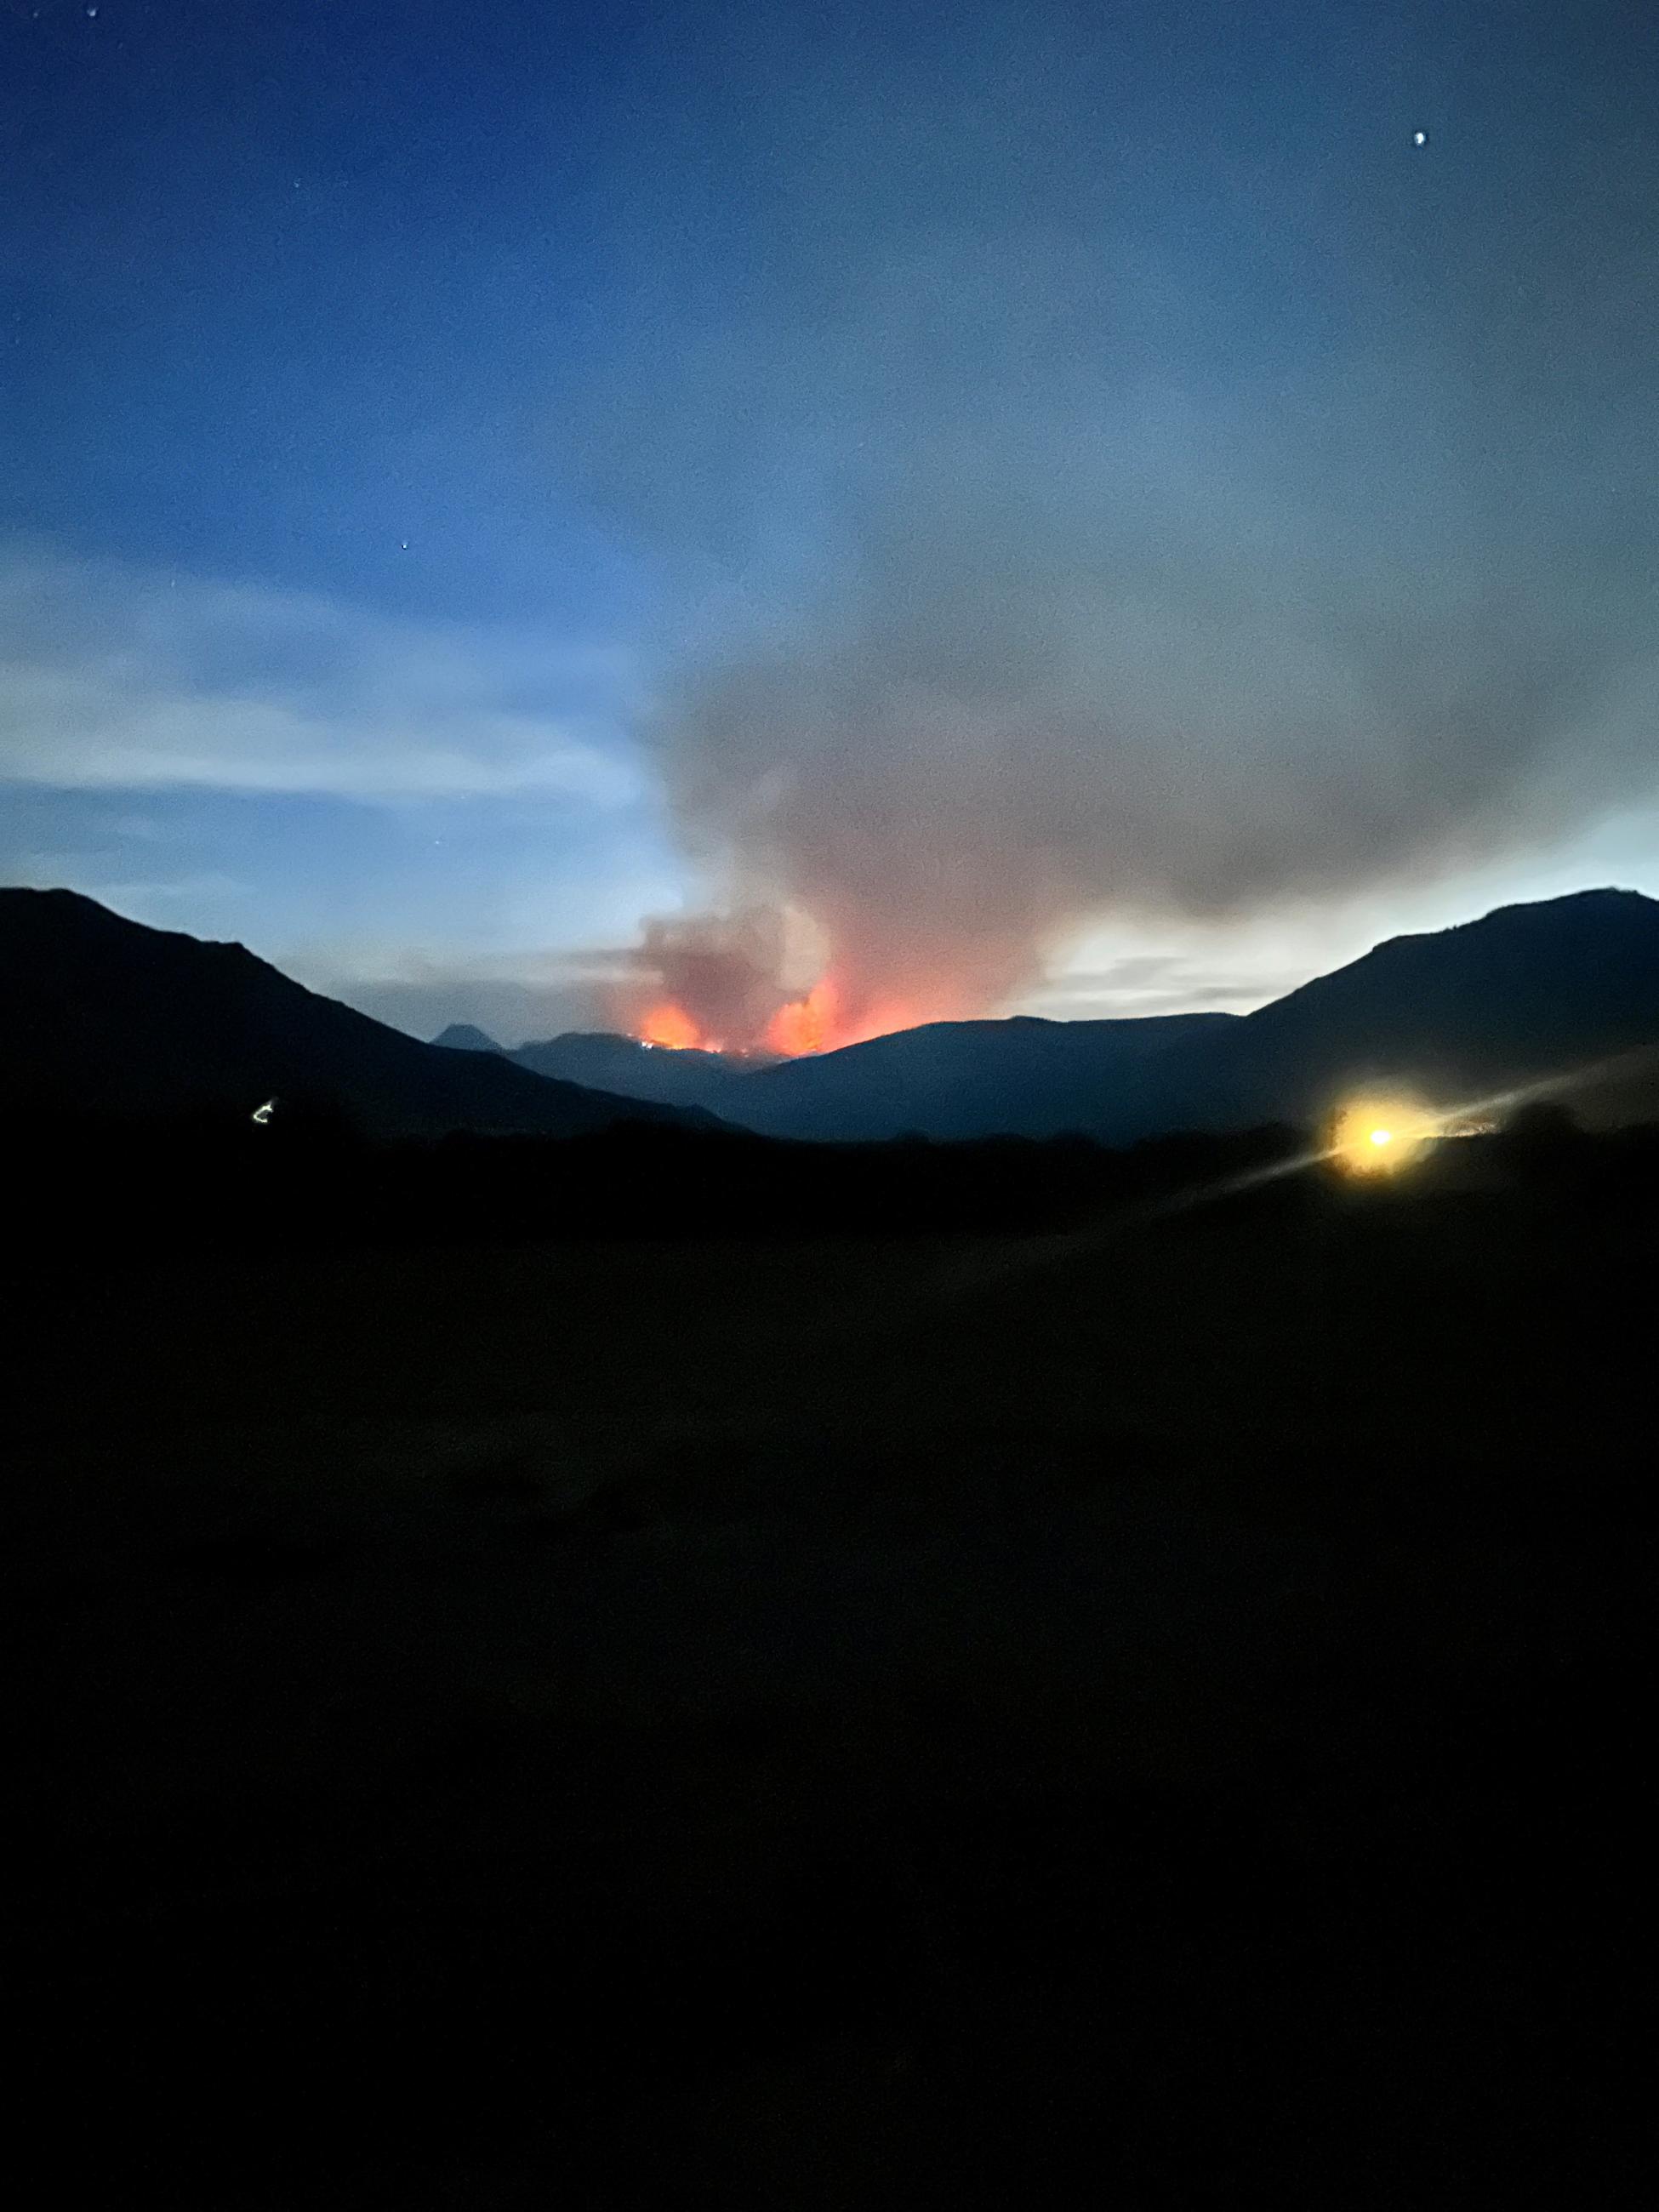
(725, 970)
(1096, 481)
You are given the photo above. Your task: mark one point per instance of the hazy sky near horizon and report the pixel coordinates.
(1107, 508)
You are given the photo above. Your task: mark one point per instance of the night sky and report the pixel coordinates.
(1063, 507)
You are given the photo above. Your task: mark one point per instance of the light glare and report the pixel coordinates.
(1381, 1133)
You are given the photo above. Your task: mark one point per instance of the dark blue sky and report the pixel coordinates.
(283, 281)
(1016, 486)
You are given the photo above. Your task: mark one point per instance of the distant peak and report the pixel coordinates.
(65, 901)
(1606, 900)
(463, 1036)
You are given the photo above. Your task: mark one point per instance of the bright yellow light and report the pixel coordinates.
(1381, 1135)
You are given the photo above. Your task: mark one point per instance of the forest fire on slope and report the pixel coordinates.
(672, 1028)
(738, 982)
(818, 1022)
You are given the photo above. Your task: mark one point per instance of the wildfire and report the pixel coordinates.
(806, 1024)
(819, 1022)
(671, 1027)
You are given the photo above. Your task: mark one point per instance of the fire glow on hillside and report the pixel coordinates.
(737, 983)
(671, 1027)
(821, 1022)
(817, 1022)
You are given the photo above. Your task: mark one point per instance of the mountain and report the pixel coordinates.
(110, 1016)
(622, 1064)
(1462, 1015)
(1024, 1077)
(461, 1037)
(1545, 991)
(106, 1015)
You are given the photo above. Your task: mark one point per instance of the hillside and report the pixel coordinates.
(101, 1014)
(108, 1015)
(607, 1061)
(1023, 1077)
(1525, 992)
(1549, 990)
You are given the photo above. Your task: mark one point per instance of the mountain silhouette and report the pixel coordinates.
(1547, 992)
(1526, 992)
(1023, 1077)
(461, 1037)
(109, 1016)
(103, 1015)
(610, 1062)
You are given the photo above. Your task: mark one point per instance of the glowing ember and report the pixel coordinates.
(671, 1027)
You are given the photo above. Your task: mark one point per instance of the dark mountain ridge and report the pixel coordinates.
(1545, 992)
(103, 1015)
(610, 1062)
(1526, 994)
(108, 1016)
(1021, 1076)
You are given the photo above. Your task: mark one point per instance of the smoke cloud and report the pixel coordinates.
(727, 970)
(1099, 477)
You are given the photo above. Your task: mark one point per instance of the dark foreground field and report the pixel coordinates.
(1151, 1718)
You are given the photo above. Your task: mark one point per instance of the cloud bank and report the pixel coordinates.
(117, 678)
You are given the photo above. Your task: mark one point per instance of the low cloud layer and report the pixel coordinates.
(121, 679)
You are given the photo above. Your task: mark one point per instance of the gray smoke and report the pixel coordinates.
(726, 969)
(1084, 497)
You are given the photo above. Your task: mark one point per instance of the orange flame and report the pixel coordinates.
(671, 1027)
(820, 1022)
(805, 1024)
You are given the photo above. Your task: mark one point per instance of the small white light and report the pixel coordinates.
(1420, 139)
(1381, 1136)
(263, 1114)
